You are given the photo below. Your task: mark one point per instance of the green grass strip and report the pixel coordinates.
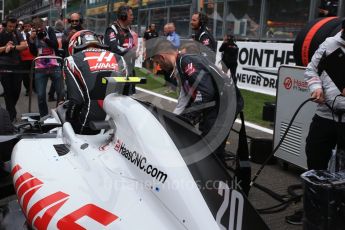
(253, 102)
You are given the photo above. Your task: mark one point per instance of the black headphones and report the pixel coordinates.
(122, 12)
(81, 19)
(203, 19)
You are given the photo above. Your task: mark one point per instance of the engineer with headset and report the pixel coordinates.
(202, 34)
(119, 37)
(76, 24)
(11, 43)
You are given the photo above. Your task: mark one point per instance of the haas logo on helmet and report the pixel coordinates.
(71, 45)
(104, 61)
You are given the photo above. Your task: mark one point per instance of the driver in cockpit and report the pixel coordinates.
(89, 62)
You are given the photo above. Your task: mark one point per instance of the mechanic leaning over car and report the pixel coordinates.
(89, 62)
(194, 76)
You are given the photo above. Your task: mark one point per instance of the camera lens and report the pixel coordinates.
(41, 34)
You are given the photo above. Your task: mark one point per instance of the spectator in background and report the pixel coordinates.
(173, 37)
(253, 27)
(166, 30)
(270, 33)
(11, 43)
(59, 32)
(59, 29)
(151, 32)
(43, 42)
(328, 8)
(26, 57)
(76, 24)
(20, 26)
(229, 51)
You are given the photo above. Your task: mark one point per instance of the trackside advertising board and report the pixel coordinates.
(255, 57)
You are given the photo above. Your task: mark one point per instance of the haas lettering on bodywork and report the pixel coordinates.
(26, 186)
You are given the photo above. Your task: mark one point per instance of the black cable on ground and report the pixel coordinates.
(295, 197)
(285, 200)
(292, 188)
(274, 195)
(279, 207)
(280, 142)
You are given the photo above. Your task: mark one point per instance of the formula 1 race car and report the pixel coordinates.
(146, 169)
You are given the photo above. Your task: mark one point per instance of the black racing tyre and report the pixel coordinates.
(320, 36)
(297, 46)
(311, 36)
(336, 30)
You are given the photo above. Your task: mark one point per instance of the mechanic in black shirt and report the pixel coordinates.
(229, 57)
(199, 80)
(119, 38)
(193, 74)
(88, 63)
(11, 42)
(202, 34)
